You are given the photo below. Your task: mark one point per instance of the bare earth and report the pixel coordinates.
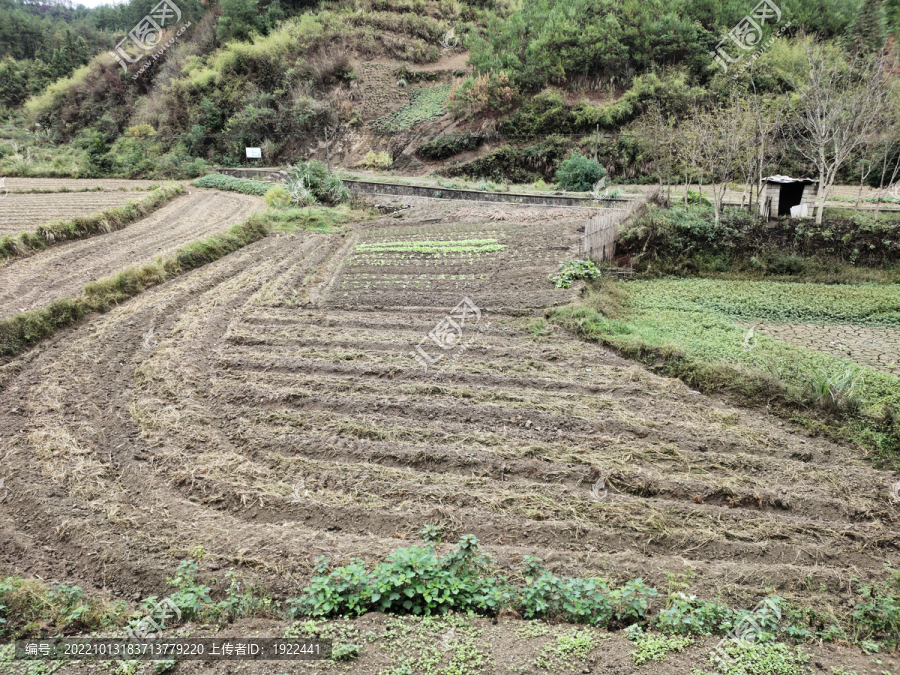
(268, 408)
(20, 212)
(63, 270)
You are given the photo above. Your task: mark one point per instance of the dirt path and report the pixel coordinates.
(62, 271)
(251, 408)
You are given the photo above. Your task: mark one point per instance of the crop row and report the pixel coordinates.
(433, 247)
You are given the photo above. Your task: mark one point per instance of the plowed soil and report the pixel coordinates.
(20, 212)
(269, 408)
(63, 270)
(52, 184)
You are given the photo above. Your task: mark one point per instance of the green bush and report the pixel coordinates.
(278, 197)
(232, 184)
(579, 174)
(447, 145)
(574, 270)
(310, 181)
(415, 580)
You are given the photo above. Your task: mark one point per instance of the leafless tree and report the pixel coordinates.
(725, 136)
(839, 107)
(658, 133)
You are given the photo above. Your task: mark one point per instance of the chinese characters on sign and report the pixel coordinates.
(747, 35)
(147, 35)
(447, 335)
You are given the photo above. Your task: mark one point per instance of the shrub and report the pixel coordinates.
(376, 160)
(278, 197)
(492, 92)
(242, 185)
(310, 181)
(579, 174)
(447, 145)
(574, 270)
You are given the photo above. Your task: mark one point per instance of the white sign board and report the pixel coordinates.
(254, 153)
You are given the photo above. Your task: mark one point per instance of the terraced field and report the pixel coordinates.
(20, 212)
(271, 408)
(62, 271)
(55, 184)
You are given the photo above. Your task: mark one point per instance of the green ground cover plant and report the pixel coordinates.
(232, 184)
(108, 220)
(416, 580)
(691, 334)
(654, 647)
(424, 104)
(574, 270)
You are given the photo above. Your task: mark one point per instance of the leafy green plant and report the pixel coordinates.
(415, 580)
(878, 612)
(232, 184)
(191, 596)
(653, 647)
(581, 600)
(574, 270)
(689, 615)
(345, 652)
(579, 173)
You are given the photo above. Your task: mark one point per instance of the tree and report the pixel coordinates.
(658, 136)
(725, 135)
(839, 107)
(239, 19)
(866, 33)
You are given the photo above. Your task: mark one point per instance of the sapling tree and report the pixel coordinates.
(841, 104)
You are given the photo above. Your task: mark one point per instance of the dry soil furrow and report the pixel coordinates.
(131, 447)
(62, 271)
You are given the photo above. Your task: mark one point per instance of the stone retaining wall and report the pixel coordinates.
(375, 188)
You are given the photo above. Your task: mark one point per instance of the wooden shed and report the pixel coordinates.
(781, 193)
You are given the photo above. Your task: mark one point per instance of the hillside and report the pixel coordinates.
(436, 84)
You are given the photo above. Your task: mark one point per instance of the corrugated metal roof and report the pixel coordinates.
(787, 179)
